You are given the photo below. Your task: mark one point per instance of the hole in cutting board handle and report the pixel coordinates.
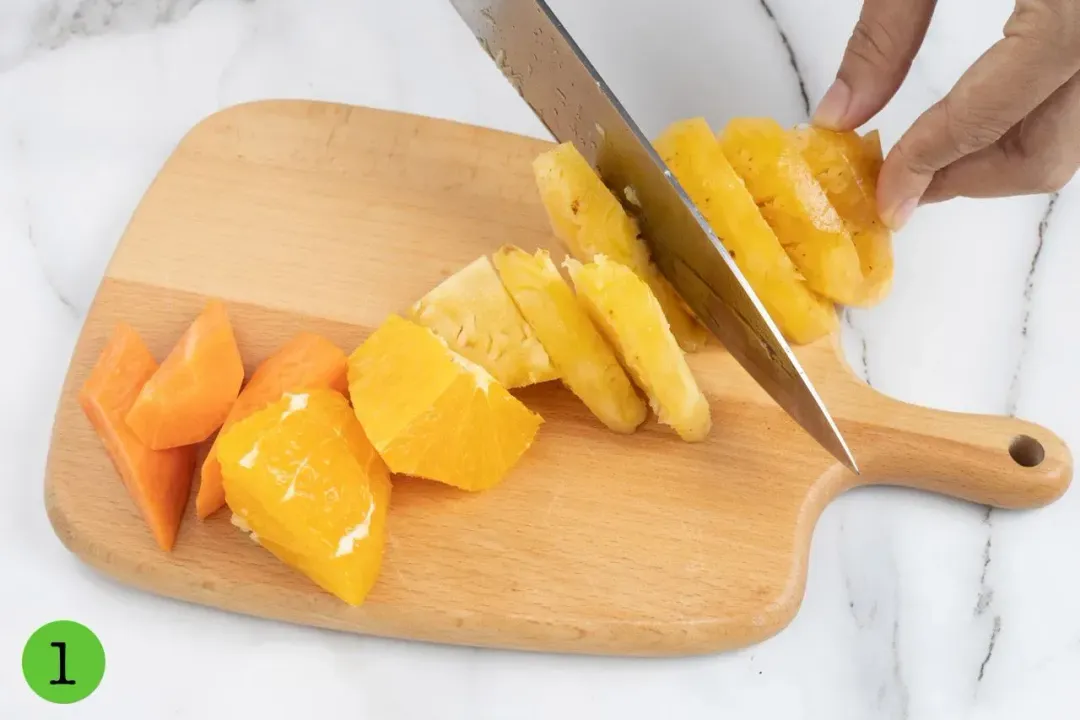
(1027, 451)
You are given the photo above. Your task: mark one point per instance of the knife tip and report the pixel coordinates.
(845, 456)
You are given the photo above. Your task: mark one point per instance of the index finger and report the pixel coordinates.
(876, 60)
(1038, 54)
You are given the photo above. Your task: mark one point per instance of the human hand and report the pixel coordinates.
(1010, 125)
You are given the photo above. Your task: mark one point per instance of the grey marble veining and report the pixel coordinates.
(49, 24)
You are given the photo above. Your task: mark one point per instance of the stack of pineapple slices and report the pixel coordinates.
(794, 208)
(601, 338)
(620, 328)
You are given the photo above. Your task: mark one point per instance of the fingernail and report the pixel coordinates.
(833, 107)
(900, 214)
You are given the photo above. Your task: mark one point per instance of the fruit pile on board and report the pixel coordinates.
(302, 454)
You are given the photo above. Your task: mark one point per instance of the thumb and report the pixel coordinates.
(876, 61)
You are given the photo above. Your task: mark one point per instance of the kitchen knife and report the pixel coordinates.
(545, 65)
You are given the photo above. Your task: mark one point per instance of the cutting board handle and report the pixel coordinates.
(993, 460)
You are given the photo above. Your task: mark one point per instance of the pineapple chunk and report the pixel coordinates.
(475, 315)
(580, 354)
(588, 218)
(689, 333)
(793, 203)
(627, 312)
(847, 166)
(693, 153)
(845, 170)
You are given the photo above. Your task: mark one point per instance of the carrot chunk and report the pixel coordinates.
(190, 395)
(307, 362)
(157, 480)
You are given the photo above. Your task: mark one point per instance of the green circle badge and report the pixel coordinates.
(63, 661)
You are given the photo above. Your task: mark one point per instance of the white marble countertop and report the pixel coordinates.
(917, 607)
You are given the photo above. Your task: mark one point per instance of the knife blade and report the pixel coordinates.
(548, 69)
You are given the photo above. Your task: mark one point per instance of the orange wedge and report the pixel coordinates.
(306, 362)
(301, 476)
(434, 414)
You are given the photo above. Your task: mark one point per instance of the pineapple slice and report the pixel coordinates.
(845, 169)
(580, 354)
(693, 153)
(793, 203)
(627, 312)
(588, 218)
(847, 166)
(475, 315)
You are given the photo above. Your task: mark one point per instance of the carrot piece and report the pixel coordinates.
(157, 480)
(307, 362)
(189, 396)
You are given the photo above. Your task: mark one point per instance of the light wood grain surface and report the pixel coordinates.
(309, 216)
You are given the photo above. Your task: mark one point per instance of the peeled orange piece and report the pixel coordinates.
(583, 358)
(434, 414)
(624, 308)
(847, 167)
(301, 475)
(190, 395)
(590, 221)
(473, 313)
(694, 155)
(308, 361)
(157, 480)
(793, 203)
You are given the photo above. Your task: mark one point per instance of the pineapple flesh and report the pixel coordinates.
(473, 312)
(847, 166)
(692, 152)
(626, 311)
(795, 206)
(582, 357)
(588, 218)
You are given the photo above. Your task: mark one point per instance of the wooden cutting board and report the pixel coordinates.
(309, 216)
